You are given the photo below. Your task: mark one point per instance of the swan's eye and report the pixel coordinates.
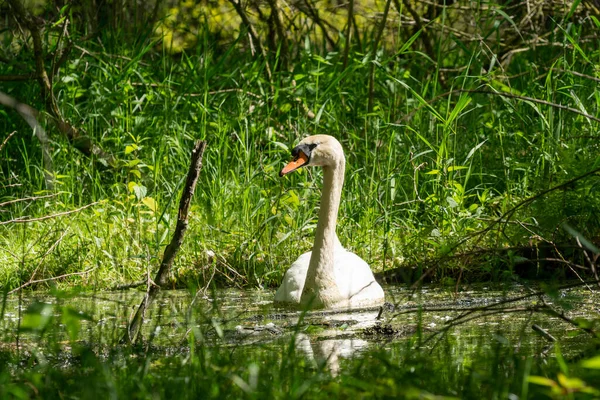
(303, 150)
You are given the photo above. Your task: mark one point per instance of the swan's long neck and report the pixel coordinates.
(320, 288)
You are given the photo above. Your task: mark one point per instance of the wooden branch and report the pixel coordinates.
(87, 271)
(313, 14)
(504, 218)
(419, 26)
(171, 251)
(31, 281)
(128, 286)
(499, 307)
(17, 78)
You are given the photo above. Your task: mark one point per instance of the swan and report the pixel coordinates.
(329, 276)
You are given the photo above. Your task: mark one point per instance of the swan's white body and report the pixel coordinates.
(329, 276)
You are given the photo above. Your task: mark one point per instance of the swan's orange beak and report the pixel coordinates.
(295, 163)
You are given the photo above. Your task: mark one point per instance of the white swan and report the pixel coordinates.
(329, 276)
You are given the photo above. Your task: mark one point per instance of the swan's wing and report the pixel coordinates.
(355, 278)
(290, 290)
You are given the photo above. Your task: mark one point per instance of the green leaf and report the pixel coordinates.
(130, 186)
(133, 163)
(150, 203)
(131, 148)
(462, 103)
(570, 383)
(473, 150)
(409, 42)
(140, 191)
(291, 199)
(584, 242)
(575, 45)
(540, 380)
(509, 19)
(592, 363)
(37, 317)
(573, 8)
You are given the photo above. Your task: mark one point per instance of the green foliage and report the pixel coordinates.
(425, 169)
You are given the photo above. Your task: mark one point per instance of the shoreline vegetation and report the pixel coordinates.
(468, 159)
(471, 134)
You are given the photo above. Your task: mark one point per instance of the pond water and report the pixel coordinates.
(248, 319)
(470, 343)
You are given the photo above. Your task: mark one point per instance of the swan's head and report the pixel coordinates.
(315, 151)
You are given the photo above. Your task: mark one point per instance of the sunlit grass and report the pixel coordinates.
(425, 169)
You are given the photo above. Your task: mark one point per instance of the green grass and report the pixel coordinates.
(425, 170)
(429, 176)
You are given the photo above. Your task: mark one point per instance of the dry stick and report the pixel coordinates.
(593, 78)
(313, 14)
(375, 46)
(4, 144)
(494, 309)
(452, 324)
(31, 281)
(128, 286)
(29, 198)
(25, 220)
(551, 311)
(590, 261)
(497, 305)
(87, 271)
(171, 251)
(419, 27)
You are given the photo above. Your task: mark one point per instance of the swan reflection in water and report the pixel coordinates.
(325, 348)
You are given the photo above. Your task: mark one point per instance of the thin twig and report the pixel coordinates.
(30, 281)
(22, 221)
(127, 286)
(29, 198)
(5, 141)
(255, 39)
(87, 271)
(505, 217)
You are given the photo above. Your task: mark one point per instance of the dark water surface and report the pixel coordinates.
(247, 318)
